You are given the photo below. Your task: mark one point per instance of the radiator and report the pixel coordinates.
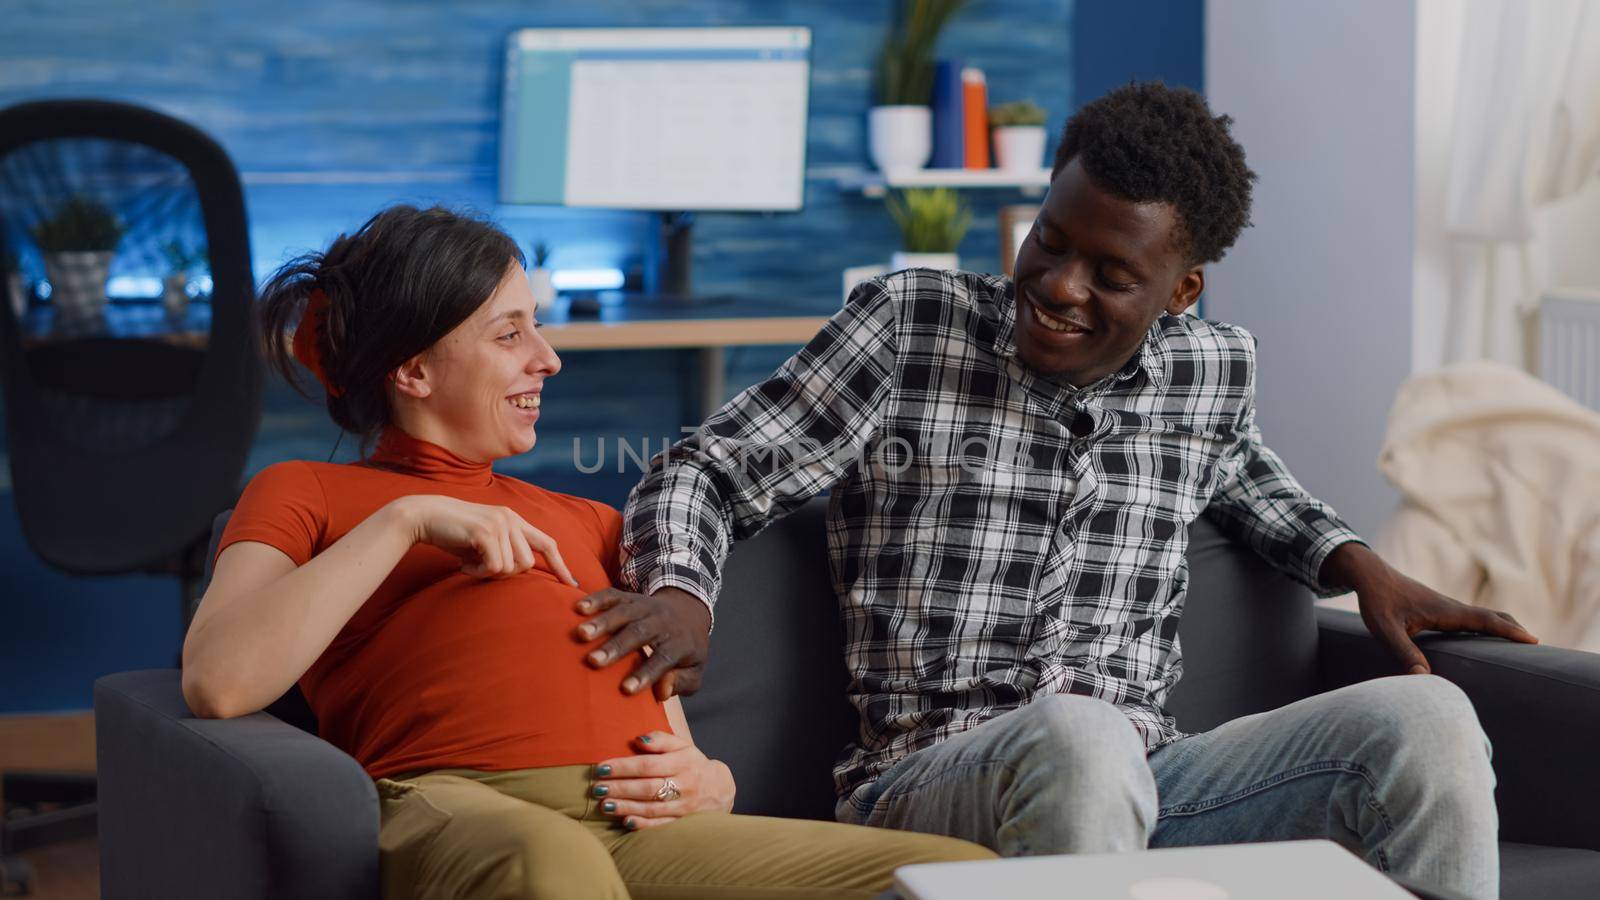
(1569, 343)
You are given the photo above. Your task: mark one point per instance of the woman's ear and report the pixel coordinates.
(411, 378)
(1189, 289)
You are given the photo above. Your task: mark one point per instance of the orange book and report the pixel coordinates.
(975, 117)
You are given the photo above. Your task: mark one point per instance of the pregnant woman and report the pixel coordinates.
(427, 607)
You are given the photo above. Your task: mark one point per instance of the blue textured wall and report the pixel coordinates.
(332, 110)
(1117, 41)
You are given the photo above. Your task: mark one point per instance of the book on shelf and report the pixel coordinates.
(975, 117)
(949, 126)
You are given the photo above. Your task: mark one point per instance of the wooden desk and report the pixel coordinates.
(707, 329)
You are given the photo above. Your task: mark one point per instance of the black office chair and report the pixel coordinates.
(128, 423)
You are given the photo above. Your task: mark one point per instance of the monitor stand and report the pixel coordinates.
(674, 280)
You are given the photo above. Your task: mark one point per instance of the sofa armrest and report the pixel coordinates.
(1539, 705)
(224, 808)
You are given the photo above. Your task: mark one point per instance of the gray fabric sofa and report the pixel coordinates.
(259, 807)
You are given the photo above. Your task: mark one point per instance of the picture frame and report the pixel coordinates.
(1016, 221)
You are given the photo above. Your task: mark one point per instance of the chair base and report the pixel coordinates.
(56, 806)
(16, 877)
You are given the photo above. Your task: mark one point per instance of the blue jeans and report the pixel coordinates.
(1396, 769)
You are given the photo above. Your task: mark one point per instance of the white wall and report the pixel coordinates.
(1322, 98)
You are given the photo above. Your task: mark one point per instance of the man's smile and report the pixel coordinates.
(1056, 322)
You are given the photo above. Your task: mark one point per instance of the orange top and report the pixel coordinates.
(439, 669)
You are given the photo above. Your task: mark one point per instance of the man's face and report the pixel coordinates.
(1093, 275)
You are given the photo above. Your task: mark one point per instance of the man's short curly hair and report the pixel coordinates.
(1149, 142)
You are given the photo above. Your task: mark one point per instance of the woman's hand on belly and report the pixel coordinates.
(492, 541)
(632, 783)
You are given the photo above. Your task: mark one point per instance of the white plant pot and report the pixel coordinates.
(899, 138)
(542, 283)
(17, 294)
(1019, 148)
(175, 294)
(902, 259)
(78, 282)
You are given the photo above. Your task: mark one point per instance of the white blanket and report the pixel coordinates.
(1500, 479)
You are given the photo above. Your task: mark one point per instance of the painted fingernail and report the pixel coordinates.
(644, 738)
(597, 657)
(603, 771)
(609, 806)
(630, 824)
(601, 790)
(586, 630)
(630, 685)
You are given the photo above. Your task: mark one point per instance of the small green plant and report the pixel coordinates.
(181, 258)
(79, 225)
(931, 220)
(541, 253)
(905, 66)
(1019, 112)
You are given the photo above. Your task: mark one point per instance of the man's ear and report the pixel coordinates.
(411, 378)
(1188, 291)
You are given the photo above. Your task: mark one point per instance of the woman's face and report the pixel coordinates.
(484, 380)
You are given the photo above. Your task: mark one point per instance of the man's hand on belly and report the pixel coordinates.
(674, 624)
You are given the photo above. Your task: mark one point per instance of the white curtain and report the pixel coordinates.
(1526, 132)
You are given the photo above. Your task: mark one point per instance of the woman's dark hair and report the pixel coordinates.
(405, 279)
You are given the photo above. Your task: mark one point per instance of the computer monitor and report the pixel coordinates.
(668, 119)
(673, 120)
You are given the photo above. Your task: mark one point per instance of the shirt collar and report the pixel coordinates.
(400, 452)
(1151, 358)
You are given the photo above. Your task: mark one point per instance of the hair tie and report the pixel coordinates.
(308, 338)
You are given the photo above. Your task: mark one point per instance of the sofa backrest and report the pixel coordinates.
(773, 704)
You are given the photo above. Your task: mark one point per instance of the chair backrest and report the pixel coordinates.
(123, 449)
(773, 704)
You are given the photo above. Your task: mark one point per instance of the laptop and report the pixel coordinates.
(1304, 870)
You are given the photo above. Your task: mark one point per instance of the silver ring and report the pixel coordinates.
(669, 791)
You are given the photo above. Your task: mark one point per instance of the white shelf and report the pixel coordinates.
(872, 183)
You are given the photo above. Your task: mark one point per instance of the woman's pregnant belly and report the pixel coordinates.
(481, 674)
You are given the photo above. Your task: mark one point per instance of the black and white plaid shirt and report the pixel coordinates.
(996, 535)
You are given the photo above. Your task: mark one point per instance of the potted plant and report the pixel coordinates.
(16, 286)
(78, 243)
(1018, 135)
(932, 223)
(541, 279)
(182, 262)
(900, 123)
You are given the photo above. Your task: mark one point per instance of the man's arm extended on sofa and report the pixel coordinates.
(250, 807)
(1539, 705)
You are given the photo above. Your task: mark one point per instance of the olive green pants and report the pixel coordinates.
(537, 833)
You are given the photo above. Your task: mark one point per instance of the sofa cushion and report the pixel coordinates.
(773, 704)
(1532, 872)
(1249, 635)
